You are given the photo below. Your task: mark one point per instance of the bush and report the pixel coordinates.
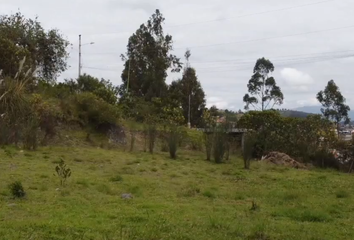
(174, 136)
(63, 172)
(96, 112)
(324, 159)
(17, 190)
(195, 140)
(151, 131)
(249, 141)
(208, 141)
(219, 144)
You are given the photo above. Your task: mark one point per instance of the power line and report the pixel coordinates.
(101, 69)
(247, 41)
(275, 60)
(306, 54)
(252, 14)
(270, 38)
(236, 17)
(251, 62)
(277, 64)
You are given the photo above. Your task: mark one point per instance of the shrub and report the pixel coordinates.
(219, 144)
(96, 112)
(17, 190)
(63, 172)
(324, 159)
(195, 140)
(174, 135)
(151, 135)
(249, 141)
(208, 141)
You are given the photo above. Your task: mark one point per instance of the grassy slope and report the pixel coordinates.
(184, 199)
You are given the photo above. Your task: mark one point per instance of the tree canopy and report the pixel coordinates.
(262, 88)
(44, 49)
(147, 60)
(188, 89)
(333, 102)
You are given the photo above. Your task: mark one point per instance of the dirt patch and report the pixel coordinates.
(283, 160)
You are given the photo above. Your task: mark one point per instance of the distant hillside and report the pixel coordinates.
(317, 110)
(293, 113)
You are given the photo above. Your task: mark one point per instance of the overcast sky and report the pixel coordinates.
(309, 41)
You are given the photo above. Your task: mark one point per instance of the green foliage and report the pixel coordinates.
(63, 172)
(147, 60)
(96, 112)
(263, 88)
(17, 190)
(22, 37)
(151, 133)
(208, 141)
(174, 135)
(103, 89)
(342, 194)
(333, 102)
(189, 92)
(117, 178)
(18, 120)
(195, 139)
(299, 138)
(324, 159)
(220, 141)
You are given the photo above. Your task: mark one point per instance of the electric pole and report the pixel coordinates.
(189, 111)
(79, 55)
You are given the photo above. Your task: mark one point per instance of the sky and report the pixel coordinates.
(309, 41)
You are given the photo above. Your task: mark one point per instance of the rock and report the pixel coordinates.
(282, 159)
(58, 189)
(127, 196)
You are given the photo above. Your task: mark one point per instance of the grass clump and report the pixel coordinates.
(117, 178)
(63, 172)
(17, 190)
(342, 194)
(209, 194)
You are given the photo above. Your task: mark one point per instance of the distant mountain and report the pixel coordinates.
(317, 110)
(293, 113)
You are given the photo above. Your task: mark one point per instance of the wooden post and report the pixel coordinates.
(243, 141)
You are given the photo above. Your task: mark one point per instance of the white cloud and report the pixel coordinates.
(308, 102)
(218, 102)
(296, 78)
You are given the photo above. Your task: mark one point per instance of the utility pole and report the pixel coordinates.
(189, 111)
(79, 55)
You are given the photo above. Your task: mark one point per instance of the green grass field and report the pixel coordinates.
(187, 198)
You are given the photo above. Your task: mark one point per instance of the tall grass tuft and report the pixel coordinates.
(249, 140)
(208, 141)
(173, 138)
(219, 143)
(152, 134)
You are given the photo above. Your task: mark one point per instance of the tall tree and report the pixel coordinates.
(20, 36)
(262, 88)
(189, 93)
(147, 60)
(333, 102)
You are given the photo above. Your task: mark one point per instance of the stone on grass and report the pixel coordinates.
(127, 196)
